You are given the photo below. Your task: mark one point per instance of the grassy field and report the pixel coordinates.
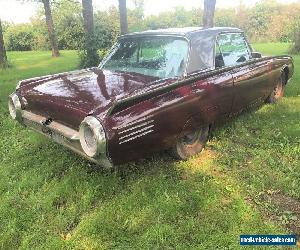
(247, 181)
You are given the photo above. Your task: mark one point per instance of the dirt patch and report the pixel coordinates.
(286, 202)
(290, 211)
(283, 209)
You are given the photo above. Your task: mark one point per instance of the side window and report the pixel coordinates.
(233, 48)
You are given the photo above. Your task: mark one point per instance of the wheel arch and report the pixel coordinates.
(286, 71)
(194, 122)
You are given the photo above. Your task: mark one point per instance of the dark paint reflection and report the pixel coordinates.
(83, 92)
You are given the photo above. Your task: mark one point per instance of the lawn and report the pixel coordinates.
(247, 181)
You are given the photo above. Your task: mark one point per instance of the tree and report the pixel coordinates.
(209, 12)
(68, 21)
(106, 33)
(90, 56)
(295, 48)
(50, 26)
(3, 57)
(135, 16)
(123, 17)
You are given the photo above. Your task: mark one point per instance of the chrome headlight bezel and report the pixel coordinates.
(92, 137)
(15, 107)
(18, 85)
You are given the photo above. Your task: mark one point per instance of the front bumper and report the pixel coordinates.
(61, 134)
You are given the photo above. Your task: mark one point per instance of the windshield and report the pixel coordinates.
(161, 57)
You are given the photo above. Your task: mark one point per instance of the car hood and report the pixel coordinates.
(69, 97)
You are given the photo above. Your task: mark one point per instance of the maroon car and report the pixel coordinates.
(155, 90)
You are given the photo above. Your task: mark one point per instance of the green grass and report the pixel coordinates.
(272, 48)
(51, 198)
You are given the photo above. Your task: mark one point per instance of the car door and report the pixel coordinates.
(214, 95)
(249, 75)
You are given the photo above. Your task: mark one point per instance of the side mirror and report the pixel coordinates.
(256, 55)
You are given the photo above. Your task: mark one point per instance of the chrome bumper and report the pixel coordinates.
(61, 134)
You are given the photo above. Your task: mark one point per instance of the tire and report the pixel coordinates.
(190, 144)
(278, 90)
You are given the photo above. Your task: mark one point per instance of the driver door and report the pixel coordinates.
(248, 75)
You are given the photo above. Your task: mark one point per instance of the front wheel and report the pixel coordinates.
(190, 143)
(278, 90)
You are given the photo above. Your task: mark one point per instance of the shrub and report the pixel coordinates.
(19, 37)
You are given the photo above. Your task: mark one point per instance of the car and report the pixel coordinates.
(155, 90)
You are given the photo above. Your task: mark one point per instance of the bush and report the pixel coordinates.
(106, 32)
(88, 55)
(19, 37)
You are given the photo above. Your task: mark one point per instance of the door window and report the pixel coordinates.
(233, 49)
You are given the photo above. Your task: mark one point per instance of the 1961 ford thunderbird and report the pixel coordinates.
(155, 90)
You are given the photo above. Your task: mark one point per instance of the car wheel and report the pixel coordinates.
(190, 143)
(278, 91)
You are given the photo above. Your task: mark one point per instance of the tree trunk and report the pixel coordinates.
(209, 12)
(92, 57)
(50, 26)
(3, 58)
(123, 17)
(295, 49)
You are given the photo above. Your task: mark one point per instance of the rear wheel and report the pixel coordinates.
(278, 91)
(190, 143)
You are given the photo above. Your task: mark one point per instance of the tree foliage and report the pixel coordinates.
(20, 37)
(267, 20)
(68, 23)
(49, 23)
(106, 33)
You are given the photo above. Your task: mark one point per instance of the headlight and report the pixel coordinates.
(14, 106)
(92, 136)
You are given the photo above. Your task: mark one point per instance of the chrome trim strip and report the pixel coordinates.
(137, 126)
(137, 136)
(140, 120)
(134, 122)
(136, 132)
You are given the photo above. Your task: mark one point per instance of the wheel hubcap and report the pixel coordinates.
(191, 138)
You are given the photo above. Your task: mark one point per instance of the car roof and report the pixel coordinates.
(202, 43)
(186, 31)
